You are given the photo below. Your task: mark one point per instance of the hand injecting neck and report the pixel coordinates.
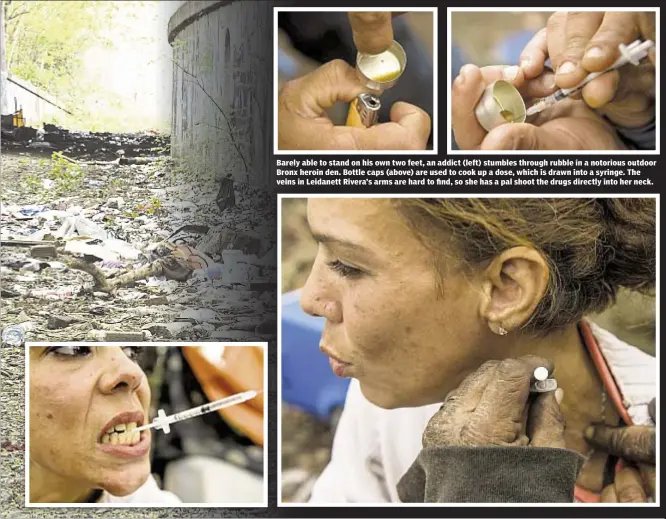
(47, 486)
(583, 392)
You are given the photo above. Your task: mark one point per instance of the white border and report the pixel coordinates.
(435, 75)
(466, 505)
(27, 503)
(449, 39)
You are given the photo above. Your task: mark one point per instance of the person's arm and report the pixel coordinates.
(487, 445)
(350, 476)
(636, 444)
(491, 475)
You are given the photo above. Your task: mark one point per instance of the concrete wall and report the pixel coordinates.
(222, 74)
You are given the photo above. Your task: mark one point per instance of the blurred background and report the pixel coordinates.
(492, 38)
(217, 457)
(312, 396)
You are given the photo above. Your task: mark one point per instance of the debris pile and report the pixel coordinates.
(132, 250)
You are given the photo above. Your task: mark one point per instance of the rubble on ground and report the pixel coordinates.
(93, 248)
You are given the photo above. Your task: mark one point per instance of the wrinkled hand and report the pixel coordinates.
(570, 125)
(490, 407)
(303, 124)
(578, 43)
(634, 443)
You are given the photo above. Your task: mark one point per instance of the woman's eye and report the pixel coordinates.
(132, 352)
(70, 351)
(344, 270)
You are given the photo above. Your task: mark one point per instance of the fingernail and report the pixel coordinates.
(559, 395)
(566, 68)
(549, 81)
(595, 52)
(589, 432)
(510, 73)
(462, 75)
(524, 63)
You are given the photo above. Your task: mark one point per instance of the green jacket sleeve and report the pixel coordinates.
(491, 475)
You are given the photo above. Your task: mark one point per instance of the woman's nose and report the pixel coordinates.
(317, 300)
(121, 373)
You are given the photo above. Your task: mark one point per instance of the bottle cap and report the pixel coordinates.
(381, 71)
(501, 103)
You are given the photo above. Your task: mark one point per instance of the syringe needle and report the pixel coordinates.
(162, 421)
(632, 53)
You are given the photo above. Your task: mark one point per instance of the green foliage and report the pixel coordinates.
(46, 41)
(66, 175)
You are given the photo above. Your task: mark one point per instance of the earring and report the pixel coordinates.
(499, 330)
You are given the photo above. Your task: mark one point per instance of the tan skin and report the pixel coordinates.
(74, 392)
(625, 97)
(375, 283)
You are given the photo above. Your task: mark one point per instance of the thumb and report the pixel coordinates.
(409, 129)
(516, 136)
(313, 93)
(372, 31)
(545, 422)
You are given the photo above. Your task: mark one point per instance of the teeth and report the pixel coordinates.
(122, 434)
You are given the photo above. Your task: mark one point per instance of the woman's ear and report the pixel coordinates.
(513, 285)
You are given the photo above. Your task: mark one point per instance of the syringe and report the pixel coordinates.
(163, 422)
(632, 53)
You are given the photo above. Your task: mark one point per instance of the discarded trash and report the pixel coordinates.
(43, 251)
(32, 265)
(225, 196)
(116, 203)
(56, 322)
(98, 251)
(198, 314)
(13, 335)
(118, 336)
(55, 293)
(212, 272)
(169, 330)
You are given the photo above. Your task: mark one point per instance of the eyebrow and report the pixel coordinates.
(320, 237)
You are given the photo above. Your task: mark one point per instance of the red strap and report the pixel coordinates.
(580, 494)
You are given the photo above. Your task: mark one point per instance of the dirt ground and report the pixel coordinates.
(139, 206)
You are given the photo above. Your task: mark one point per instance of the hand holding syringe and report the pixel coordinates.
(632, 53)
(163, 422)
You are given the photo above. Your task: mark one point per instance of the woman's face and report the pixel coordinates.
(77, 395)
(387, 323)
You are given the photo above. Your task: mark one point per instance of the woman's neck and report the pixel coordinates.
(49, 487)
(584, 399)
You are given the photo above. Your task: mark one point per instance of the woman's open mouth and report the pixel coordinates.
(339, 367)
(119, 436)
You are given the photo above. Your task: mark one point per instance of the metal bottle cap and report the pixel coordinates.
(381, 71)
(501, 103)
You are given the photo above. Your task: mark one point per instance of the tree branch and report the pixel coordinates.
(220, 109)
